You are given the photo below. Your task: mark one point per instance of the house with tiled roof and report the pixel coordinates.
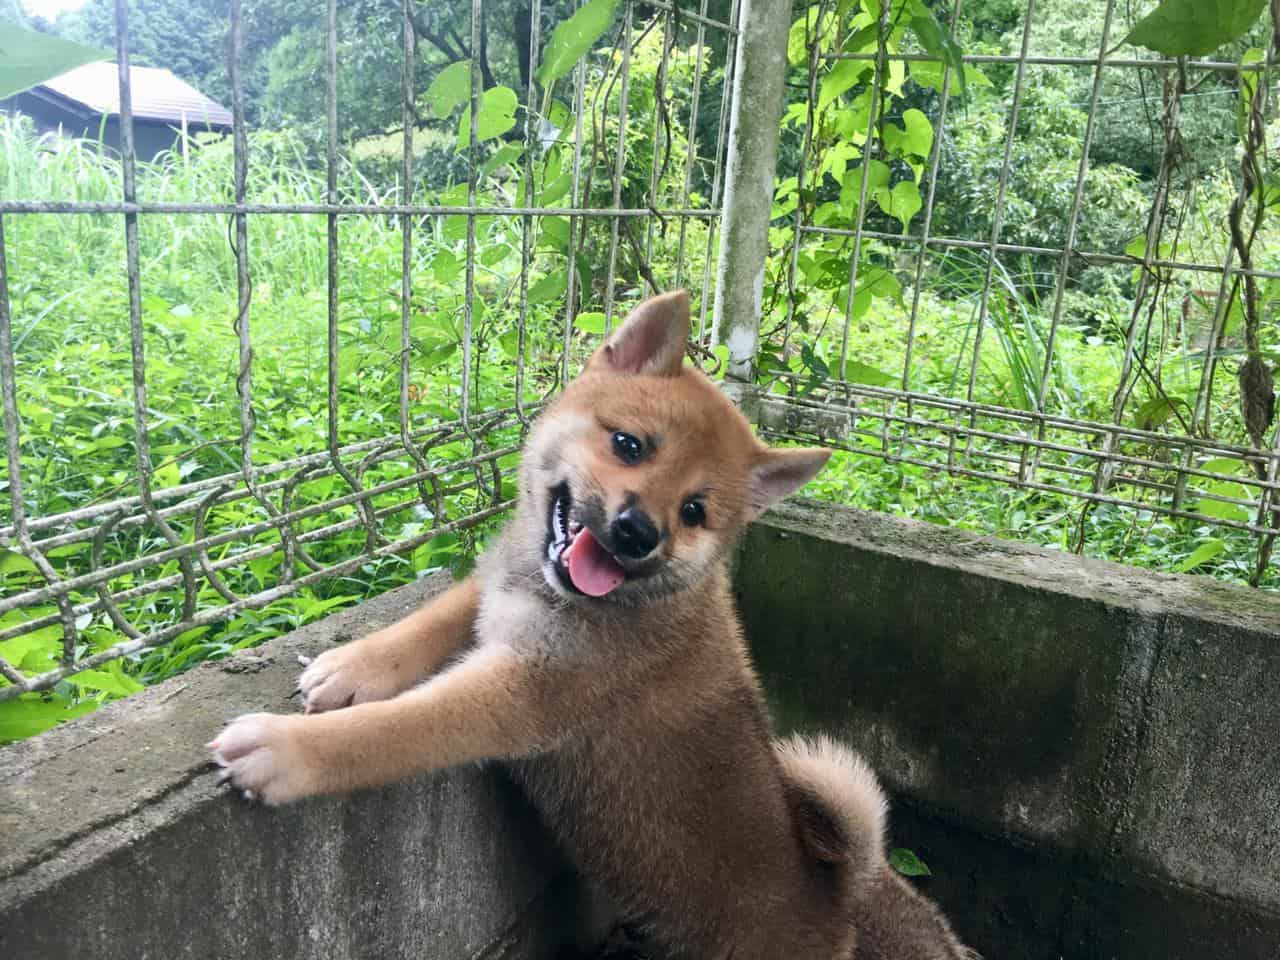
(85, 102)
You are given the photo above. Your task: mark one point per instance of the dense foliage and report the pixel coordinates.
(69, 297)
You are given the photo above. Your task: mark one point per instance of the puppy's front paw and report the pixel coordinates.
(347, 675)
(261, 756)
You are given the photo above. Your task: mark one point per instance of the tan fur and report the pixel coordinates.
(896, 922)
(836, 781)
(390, 661)
(893, 921)
(634, 722)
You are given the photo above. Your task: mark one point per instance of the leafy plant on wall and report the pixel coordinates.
(1180, 28)
(857, 166)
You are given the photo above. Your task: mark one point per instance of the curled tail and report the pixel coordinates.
(837, 803)
(840, 814)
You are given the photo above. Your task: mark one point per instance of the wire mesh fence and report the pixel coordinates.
(491, 290)
(1178, 433)
(390, 337)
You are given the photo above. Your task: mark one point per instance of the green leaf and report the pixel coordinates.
(454, 227)
(451, 87)
(1221, 510)
(555, 233)
(836, 160)
(1137, 248)
(13, 562)
(31, 713)
(1201, 555)
(855, 371)
(851, 123)
(507, 153)
(721, 354)
(861, 301)
(497, 116)
(928, 73)
(112, 680)
(495, 254)
(37, 661)
(29, 58)
(937, 40)
(881, 283)
(349, 361)
(445, 266)
(843, 76)
(1156, 412)
(1194, 28)
(902, 202)
(559, 115)
(851, 188)
(914, 138)
(908, 864)
(436, 353)
(556, 190)
(549, 287)
(1248, 85)
(814, 363)
(1228, 465)
(436, 551)
(510, 343)
(807, 25)
(590, 322)
(45, 640)
(896, 78)
(166, 475)
(574, 37)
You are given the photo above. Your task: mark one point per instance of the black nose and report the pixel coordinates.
(634, 534)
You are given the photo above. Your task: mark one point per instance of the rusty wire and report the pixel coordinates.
(176, 552)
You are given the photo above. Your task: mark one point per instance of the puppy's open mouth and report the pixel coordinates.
(581, 562)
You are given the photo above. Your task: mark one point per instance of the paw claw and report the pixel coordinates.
(261, 759)
(346, 675)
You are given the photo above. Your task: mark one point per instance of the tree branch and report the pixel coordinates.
(437, 40)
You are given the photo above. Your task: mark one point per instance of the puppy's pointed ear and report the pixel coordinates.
(652, 339)
(780, 472)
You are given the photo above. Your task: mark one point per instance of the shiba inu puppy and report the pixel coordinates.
(597, 652)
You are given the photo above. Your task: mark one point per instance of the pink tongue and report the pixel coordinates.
(591, 568)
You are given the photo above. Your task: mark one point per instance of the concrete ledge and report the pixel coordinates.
(1112, 719)
(117, 844)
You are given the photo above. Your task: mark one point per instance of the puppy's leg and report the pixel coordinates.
(494, 703)
(392, 660)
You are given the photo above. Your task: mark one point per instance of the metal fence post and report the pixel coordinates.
(759, 74)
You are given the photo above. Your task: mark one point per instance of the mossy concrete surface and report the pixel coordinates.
(116, 843)
(1103, 742)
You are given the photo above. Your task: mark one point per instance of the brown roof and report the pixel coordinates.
(156, 94)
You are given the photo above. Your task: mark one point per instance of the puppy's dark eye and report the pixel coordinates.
(692, 513)
(628, 448)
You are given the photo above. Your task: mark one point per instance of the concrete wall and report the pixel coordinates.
(115, 843)
(1104, 738)
(1083, 753)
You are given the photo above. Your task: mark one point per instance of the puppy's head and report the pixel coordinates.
(644, 472)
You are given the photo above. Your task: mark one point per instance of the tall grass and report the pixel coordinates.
(68, 293)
